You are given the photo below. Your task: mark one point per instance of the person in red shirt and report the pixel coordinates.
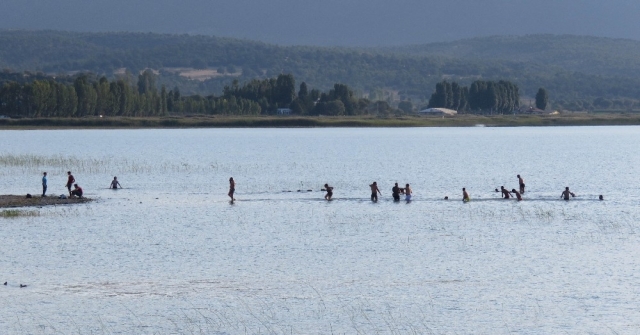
(70, 181)
(77, 191)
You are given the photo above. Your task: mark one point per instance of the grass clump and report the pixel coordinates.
(14, 213)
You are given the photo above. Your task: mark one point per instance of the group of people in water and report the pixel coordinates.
(397, 191)
(71, 181)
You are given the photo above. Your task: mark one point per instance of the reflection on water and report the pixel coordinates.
(170, 254)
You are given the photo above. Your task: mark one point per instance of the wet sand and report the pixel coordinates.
(8, 201)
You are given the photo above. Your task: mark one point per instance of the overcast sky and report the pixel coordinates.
(331, 22)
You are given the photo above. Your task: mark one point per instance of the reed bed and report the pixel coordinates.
(61, 164)
(15, 213)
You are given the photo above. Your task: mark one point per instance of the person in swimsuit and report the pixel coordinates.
(505, 193)
(115, 184)
(407, 192)
(465, 195)
(374, 191)
(232, 188)
(44, 184)
(329, 190)
(70, 181)
(518, 195)
(395, 192)
(521, 182)
(566, 193)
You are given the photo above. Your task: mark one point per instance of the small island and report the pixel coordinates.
(10, 201)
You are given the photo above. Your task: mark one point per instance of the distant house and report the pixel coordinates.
(533, 110)
(283, 111)
(438, 112)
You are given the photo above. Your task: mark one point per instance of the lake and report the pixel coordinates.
(169, 254)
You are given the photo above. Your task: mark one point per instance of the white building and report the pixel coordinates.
(284, 111)
(438, 111)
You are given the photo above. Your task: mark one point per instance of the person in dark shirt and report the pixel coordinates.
(329, 190)
(465, 195)
(395, 192)
(77, 191)
(232, 189)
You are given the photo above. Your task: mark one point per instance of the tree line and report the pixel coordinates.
(85, 96)
(481, 97)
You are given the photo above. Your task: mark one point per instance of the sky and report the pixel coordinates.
(331, 22)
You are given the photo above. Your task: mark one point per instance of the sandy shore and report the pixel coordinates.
(7, 201)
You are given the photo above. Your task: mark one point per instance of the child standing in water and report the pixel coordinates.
(407, 192)
(374, 191)
(232, 189)
(115, 184)
(329, 190)
(465, 195)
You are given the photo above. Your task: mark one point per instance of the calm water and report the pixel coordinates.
(170, 255)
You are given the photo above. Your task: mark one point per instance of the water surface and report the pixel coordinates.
(170, 254)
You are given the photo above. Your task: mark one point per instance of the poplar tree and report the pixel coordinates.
(542, 99)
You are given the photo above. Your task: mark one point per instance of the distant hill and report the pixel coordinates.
(362, 23)
(586, 54)
(569, 67)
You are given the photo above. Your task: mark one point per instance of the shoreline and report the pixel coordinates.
(16, 201)
(217, 121)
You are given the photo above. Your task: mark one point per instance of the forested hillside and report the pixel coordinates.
(586, 54)
(577, 72)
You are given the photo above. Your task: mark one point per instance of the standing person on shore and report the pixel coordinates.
(465, 195)
(395, 192)
(374, 191)
(70, 181)
(232, 189)
(329, 190)
(115, 183)
(407, 192)
(521, 183)
(44, 184)
(566, 193)
(505, 193)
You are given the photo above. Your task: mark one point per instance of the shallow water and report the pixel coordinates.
(170, 254)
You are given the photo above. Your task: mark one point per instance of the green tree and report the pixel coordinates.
(439, 97)
(303, 93)
(147, 82)
(285, 90)
(542, 99)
